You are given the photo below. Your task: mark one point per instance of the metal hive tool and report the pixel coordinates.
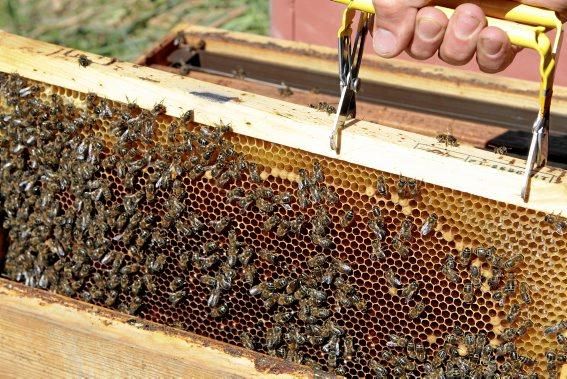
(398, 277)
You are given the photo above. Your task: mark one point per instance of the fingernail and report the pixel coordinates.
(466, 26)
(428, 28)
(491, 46)
(385, 42)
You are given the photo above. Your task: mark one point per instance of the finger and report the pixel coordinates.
(430, 28)
(494, 51)
(394, 25)
(461, 38)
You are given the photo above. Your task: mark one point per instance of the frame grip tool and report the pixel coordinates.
(525, 26)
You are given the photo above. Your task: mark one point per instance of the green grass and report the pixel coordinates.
(124, 29)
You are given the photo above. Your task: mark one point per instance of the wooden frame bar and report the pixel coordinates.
(389, 104)
(375, 146)
(474, 97)
(47, 335)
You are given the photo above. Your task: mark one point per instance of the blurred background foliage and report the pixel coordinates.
(124, 29)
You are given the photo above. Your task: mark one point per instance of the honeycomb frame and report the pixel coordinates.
(464, 220)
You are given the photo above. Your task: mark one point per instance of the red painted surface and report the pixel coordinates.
(317, 21)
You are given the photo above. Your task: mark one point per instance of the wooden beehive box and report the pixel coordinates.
(479, 109)
(474, 194)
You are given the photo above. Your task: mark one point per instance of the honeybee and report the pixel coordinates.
(134, 305)
(448, 139)
(176, 284)
(510, 285)
(296, 224)
(420, 352)
(130, 269)
(156, 265)
(221, 224)
(485, 253)
(324, 242)
(268, 256)
(377, 251)
(514, 261)
(468, 292)
(407, 188)
(283, 228)
(392, 279)
(494, 281)
(283, 317)
(84, 61)
(214, 296)
(220, 311)
(559, 224)
(417, 310)
(247, 340)
(525, 293)
(285, 299)
(397, 341)
(560, 327)
(111, 297)
(380, 372)
(405, 230)
(254, 173)
(513, 313)
(524, 327)
(342, 266)
(400, 247)
(475, 276)
(208, 280)
(449, 269)
(347, 218)
(465, 256)
(377, 227)
(382, 187)
(271, 223)
(303, 199)
(249, 274)
(500, 297)
(409, 290)
(273, 337)
(429, 225)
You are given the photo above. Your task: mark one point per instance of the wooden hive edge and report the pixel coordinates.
(413, 76)
(45, 334)
(462, 168)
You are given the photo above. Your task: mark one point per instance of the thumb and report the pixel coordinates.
(394, 25)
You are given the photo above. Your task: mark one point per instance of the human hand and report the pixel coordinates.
(423, 31)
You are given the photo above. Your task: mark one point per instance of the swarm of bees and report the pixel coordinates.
(114, 225)
(501, 281)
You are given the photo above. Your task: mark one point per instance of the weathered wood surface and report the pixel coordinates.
(375, 146)
(401, 108)
(451, 92)
(46, 335)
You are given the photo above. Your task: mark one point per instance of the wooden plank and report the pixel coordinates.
(473, 133)
(450, 92)
(47, 335)
(375, 146)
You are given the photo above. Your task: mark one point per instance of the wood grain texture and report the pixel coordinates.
(379, 101)
(375, 146)
(47, 335)
(477, 97)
